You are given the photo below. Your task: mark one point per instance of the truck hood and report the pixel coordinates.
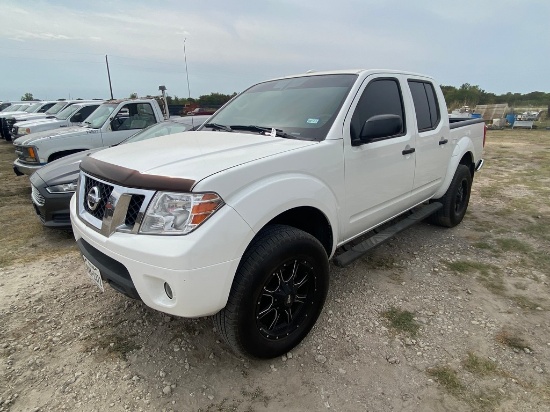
(196, 155)
(63, 170)
(35, 122)
(32, 116)
(32, 138)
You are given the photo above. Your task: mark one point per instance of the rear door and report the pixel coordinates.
(433, 149)
(379, 174)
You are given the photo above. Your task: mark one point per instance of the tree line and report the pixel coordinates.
(470, 95)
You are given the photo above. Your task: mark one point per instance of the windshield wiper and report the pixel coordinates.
(218, 127)
(265, 130)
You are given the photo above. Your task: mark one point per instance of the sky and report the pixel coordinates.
(56, 49)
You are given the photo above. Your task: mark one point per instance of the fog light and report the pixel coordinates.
(168, 290)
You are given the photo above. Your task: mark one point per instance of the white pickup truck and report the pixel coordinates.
(71, 115)
(239, 219)
(39, 110)
(111, 123)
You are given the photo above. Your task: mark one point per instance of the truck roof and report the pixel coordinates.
(350, 71)
(117, 101)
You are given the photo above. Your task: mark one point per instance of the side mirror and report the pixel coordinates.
(77, 118)
(382, 125)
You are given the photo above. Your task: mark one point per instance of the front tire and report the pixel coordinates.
(277, 295)
(456, 199)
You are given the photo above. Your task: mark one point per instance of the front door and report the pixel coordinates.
(379, 174)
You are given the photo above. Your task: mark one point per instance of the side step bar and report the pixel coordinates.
(360, 249)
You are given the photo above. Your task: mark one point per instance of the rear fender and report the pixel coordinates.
(463, 146)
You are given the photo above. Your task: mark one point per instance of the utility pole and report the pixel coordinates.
(186, 70)
(109, 76)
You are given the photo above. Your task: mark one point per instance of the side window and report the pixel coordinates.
(425, 105)
(381, 96)
(45, 107)
(86, 111)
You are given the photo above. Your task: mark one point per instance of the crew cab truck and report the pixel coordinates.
(111, 123)
(72, 115)
(239, 219)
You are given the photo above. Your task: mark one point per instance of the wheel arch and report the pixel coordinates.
(310, 220)
(462, 154)
(298, 201)
(63, 153)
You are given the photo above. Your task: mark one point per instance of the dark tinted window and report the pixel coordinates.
(87, 110)
(45, 107)
(381, 96)
(434, 105)
(425, 105)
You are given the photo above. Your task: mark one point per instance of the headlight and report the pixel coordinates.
(179, 213)
(28, 154)
(63, 188)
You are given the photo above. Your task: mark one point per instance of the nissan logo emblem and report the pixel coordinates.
(92, 198)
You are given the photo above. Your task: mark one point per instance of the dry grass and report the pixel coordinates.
(23, 236)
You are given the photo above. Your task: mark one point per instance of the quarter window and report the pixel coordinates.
(381, 96)
(425, 105)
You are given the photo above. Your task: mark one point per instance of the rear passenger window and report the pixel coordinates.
(425, 105)
(381, 96)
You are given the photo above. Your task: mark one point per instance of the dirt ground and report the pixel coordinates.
(435, 320)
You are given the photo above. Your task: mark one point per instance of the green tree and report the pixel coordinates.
(27, 97)
(133, 95)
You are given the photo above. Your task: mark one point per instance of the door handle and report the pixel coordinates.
(408, 151)
(444, 141)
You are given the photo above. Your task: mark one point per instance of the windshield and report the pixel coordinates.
(301, 107)
(67, 111)
(98, 118)
(159, 129)
(33, 107)
(56, 108)
(12, 108)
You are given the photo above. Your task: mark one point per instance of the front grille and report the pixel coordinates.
(119, 208)
(104, 193)
(37, 197)
(133, 209)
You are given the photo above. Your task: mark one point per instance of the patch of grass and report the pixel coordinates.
(524, 302)
(512, 339)
(466, 266)
(489, 192)
(521, 286)
(486, 400)
(513, 245)
(483, 245)
(381, 262)
(494, 284)
(402, 320)
(448, 378)
(479, 366)
(115, 345)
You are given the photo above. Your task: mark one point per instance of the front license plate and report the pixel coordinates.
(93, 273)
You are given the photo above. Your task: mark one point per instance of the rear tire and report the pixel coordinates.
(456, 199)
(277, 294)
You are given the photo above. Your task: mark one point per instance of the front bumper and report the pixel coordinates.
(51, 208)
(25, 168)
(198, 267)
